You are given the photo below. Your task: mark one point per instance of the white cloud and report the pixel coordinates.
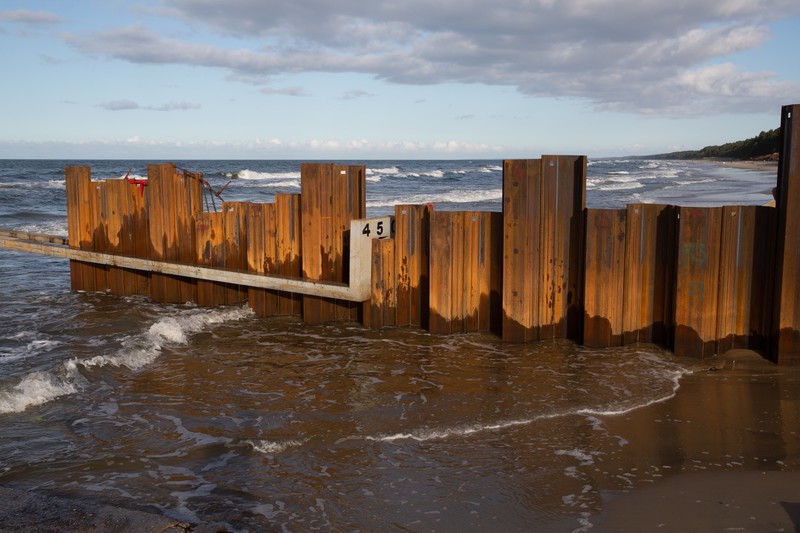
(616, 54)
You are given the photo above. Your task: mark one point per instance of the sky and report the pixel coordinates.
(390, 79)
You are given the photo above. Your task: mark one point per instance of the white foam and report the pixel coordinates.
(33, 348)
(248, 174)
(674, 375)
(268, 447)
(34, 389)
(283, 183)
(457, 196)
(584, 458)
(136, 352)
(382, 171)
(141, 350)
(50, 227)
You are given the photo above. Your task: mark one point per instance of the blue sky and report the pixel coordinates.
(378, 79)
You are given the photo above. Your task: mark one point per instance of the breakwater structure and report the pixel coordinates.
(698, 281)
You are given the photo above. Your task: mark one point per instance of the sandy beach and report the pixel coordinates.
(764, 166)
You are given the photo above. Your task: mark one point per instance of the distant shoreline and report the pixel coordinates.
(764, 166)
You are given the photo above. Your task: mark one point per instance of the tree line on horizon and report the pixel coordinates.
(764, 146)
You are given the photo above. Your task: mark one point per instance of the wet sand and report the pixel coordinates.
(731, 437)
(717, 501)
(764, 166)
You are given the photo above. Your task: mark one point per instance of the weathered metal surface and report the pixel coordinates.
(464, 293)
(412, 256)
(79, 209)
(209, 251)
(745, 283)
(649, 289)
(172, 204)
(786, 315)
(381, 309)
(331, 197)
(604, 278)
(521, 206)
(543, 203)
(235, 246)
(697, 285)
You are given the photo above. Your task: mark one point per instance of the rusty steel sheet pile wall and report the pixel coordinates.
(401, 272)
(648, 299)
(786, 313)
(164, 220)
(331, 196)
(696, 280)
(543, 229)
(465, 278)
(604, 277)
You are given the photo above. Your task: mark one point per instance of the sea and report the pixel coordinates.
(216, 416)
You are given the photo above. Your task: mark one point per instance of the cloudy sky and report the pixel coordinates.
(375, 79)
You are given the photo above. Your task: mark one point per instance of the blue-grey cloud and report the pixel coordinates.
(355, 94)
(128, 105)
(286, 91)
(644, 56)
(24, 16)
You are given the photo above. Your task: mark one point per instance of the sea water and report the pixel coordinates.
(215, 415)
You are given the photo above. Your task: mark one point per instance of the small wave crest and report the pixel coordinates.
(140, 350)
(247, 174)
(37, 388)
(450, 197)
(666, 381)
(136, 352)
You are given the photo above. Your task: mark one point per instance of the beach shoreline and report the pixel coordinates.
(731, 438)
(761, 166)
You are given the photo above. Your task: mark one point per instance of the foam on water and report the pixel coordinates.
(141, 350)
(665, 382)
(35, 389)
(32, 348)
(268, 447)
(136, 352)
(455, 196)
(247, 174)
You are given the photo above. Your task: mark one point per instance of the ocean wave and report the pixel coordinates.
(247, 174)
(695, 182)
(35, 389)
(612, 184)
(49, 227)
(450, 197)
(30, 348)
(286, 184)
(49, 184)
(136, 352)
(141, 350)
(382, 171)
